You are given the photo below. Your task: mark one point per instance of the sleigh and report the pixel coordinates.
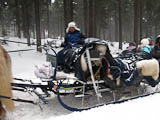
(98, 78)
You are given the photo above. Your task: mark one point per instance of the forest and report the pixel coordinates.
(111, 20)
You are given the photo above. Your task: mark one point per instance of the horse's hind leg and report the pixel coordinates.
(2, 112)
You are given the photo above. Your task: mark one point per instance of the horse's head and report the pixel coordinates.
(97, 51)
(102, 49)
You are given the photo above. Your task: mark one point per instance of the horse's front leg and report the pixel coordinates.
(118, 81)
(2, 112)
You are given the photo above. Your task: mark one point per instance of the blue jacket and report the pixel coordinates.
(147, 49)
(74, 38)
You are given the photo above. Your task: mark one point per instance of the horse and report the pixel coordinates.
(5, 86)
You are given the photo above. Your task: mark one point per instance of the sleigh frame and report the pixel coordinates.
(85, 94)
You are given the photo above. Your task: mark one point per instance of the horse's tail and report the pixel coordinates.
(5, 79)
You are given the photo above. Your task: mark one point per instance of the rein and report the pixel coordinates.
(18, 100)
(21, 50)
(16, 42)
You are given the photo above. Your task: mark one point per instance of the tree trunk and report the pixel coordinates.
(141, 7)
(18, 19)
(48, 19)
(33, 31)
(23, 18)
(116, 23)
(86, 16)
(37, 21)
(104, 34)
(120, 25)
(61, 28)
(92, 19)
(68, 12)
(27, 24)
(109, 29)
(136, 21)
(156, 29)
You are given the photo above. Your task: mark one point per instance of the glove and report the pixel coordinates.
(63, 44)
(80, 42)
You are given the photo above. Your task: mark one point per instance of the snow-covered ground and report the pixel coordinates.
(23, 66)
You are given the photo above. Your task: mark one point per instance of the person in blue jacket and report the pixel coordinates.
(145, 45)
(74, 37)
(146, 49)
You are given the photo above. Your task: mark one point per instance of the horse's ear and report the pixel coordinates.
(107, 49)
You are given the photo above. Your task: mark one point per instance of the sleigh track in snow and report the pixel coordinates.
(122, 99)
(107, 103)
(75, 102)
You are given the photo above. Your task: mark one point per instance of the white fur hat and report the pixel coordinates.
(72, 24)
(158, 36)
(144, 42)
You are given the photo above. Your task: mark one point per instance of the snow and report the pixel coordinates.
(23, 66)
(140, 109)
(52, 1)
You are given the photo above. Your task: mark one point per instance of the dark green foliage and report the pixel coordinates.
(19, 18)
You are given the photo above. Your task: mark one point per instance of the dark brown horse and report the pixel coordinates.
(5, 80)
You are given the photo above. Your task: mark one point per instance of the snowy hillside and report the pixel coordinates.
(23, 65)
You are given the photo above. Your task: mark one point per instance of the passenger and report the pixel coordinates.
(156, 49)
(74, 36)
(132, 47)
(150, 38)
(146, 49)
